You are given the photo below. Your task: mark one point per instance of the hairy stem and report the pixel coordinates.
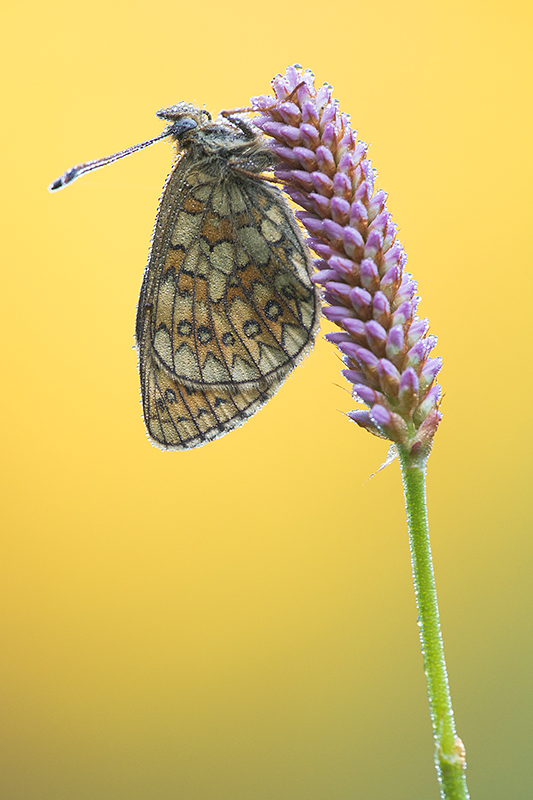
(449, 750)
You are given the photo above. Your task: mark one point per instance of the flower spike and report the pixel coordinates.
(361, 263)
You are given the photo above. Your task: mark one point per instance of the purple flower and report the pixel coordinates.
(360, 263)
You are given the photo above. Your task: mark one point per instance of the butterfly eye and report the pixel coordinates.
(181, 126)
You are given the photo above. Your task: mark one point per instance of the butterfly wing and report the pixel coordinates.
(178, 417)
(227, 307)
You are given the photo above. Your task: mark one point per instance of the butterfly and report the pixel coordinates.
(227, 307)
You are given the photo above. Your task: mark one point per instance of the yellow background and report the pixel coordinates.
(237, 622)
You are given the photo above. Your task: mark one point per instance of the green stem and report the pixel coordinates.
(449, 751)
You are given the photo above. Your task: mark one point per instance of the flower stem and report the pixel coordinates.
(450, 760)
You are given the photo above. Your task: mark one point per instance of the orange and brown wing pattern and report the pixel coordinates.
(234, 303)
(179, 417)
(227, 307)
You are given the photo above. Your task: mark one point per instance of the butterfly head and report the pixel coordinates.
(184, 118)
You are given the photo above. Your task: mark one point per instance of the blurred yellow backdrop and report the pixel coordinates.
(238, 621)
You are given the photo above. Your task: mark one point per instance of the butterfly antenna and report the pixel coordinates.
(80, 169)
